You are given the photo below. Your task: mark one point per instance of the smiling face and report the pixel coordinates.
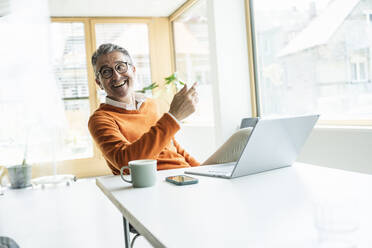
(120, 86)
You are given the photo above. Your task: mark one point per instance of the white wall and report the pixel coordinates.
(340, 147)
(229, 65)
(199, 141)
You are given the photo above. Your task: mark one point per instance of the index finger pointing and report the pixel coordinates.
(192, 88)
(194, 85)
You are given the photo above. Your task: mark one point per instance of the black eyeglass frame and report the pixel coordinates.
(127, 64)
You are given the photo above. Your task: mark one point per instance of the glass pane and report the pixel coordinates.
(192, 58)
(134, 38)
(315, 52)
(354, 76)
(12, 134)
(77, 141)
(70, 69)
(362, 71)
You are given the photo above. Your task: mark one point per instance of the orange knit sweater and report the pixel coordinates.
(125, 135)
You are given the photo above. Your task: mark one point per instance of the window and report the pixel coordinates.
(71, 62)
(31, 107)
(358, 72)
(319, 58)
(190, 33)
(70, 70)
(369, 17)
(358, 69)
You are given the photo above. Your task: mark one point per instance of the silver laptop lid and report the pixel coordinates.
(274, 143)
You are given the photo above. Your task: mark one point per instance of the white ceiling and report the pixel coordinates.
(123, 8)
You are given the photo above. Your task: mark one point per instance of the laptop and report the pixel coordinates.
(273, 144)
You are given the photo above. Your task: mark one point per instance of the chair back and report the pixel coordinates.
(248, 122)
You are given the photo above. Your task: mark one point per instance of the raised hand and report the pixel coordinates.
(184, 102)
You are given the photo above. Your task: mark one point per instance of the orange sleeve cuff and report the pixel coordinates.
(171, 121)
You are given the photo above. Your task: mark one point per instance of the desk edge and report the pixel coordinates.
(131, 219)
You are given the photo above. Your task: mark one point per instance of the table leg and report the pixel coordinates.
(126, 233)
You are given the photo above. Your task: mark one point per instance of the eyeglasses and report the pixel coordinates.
(107, 72)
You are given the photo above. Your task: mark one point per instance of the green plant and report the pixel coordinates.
(172, 79)
(149, 87)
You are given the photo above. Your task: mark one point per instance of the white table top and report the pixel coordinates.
(75, 216)
(271, 209)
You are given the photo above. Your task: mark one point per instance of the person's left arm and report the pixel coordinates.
(189, 159)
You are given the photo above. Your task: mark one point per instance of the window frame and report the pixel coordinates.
(358, 73)
(368, 16)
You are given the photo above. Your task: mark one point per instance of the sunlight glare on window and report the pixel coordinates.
(319, 59)
(192, 58)
(70, 70)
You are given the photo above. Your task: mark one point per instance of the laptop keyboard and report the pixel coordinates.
(222, 168)
(217, 170)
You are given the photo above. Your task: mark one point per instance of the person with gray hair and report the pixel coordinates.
(108, 48)
(128, 126)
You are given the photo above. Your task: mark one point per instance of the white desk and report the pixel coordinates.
(271, 209)
(74, 216)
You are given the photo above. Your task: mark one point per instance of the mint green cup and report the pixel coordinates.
(142, 173)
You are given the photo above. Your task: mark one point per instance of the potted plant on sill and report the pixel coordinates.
(20, 175)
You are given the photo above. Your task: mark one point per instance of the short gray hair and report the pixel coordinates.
(108, 48)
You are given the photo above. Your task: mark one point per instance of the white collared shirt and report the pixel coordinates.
(137, 97)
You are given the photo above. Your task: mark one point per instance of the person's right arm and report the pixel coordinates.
(119, 151)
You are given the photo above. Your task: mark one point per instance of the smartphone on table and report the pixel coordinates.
(181, 180)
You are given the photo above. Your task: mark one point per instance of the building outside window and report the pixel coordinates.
(312, 65)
